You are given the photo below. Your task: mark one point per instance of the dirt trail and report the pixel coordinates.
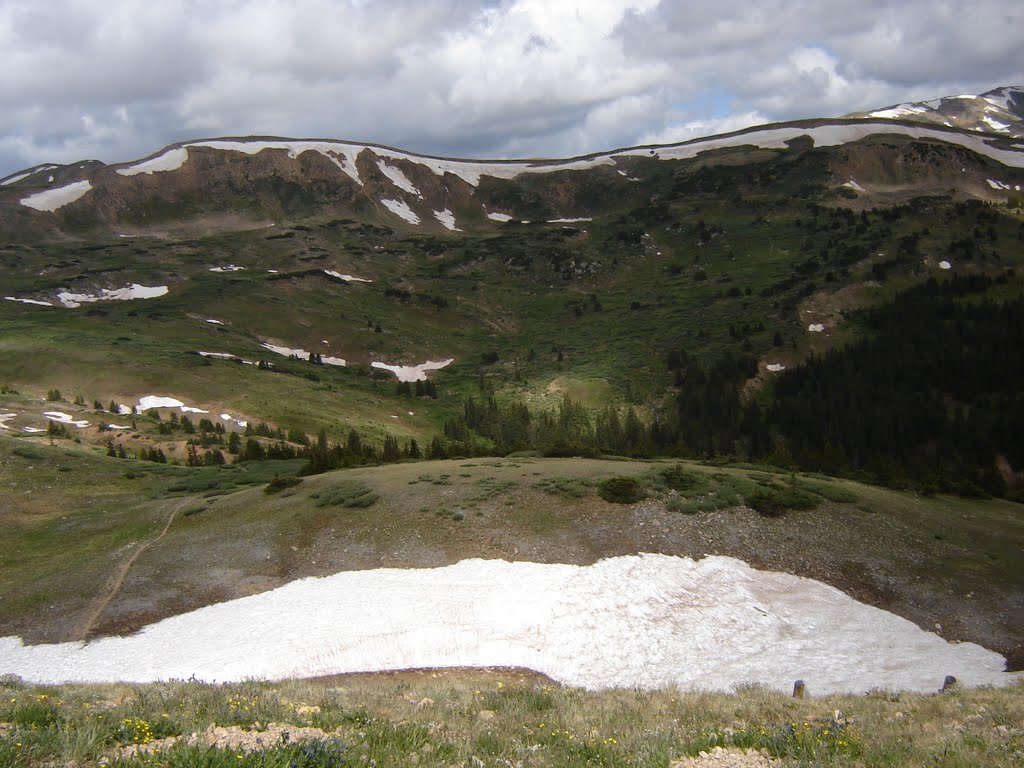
(85, 626)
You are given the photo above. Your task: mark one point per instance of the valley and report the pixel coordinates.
(241, 363)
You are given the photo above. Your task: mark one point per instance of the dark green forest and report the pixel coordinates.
(930, 398)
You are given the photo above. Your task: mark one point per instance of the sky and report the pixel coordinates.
(116, 80)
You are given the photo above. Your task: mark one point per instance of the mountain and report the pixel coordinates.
(226, 184)
(219, 320)
(1000, 111)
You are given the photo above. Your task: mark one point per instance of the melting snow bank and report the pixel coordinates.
(302, 354)
(133, 291)
(638, 621)
(64, 418)
(401, 209)
(447, 219)
(29, 301)
(346, 278)
(52, 199)
(413, 372)
(168, 161)
(158, 401)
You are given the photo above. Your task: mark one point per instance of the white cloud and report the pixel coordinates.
(119, 79)
(694, 129)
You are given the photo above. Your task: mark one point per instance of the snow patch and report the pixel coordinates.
(499, 217)
(346, 278)
(118, 426)
(133, 291)
(401, 209)
(398, 178)
(570, 221)
(854, 185)
(945, 265)
(995, 124)
(775, 367)
(901, 110)
(816, 327)
(15, 178)
(29, 301)
(52, 199)
(413, 372)
(302, 354)
(997, 184)
(229, 417)
(447, 219)
(833, 135)
(214, 322)
(158, 401)
(64, 418)
(171, 160)
(6, 417)
(227, 268)
(642, 621)
(32, 430)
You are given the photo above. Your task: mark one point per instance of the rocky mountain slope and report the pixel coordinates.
(999, 111)
(226, 184)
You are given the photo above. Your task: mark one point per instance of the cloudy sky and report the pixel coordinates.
(118, 79)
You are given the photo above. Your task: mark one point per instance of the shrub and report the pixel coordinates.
(621, 490)
(775, 502)
(279, 483)
(677, 478)
(351, 494)
(564, 486)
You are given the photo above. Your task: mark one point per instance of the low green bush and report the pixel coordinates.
(279, 484)
(351, 494)
(775, 502)
(29, 452)
(564, 486)
(677, 478)
(621, 490)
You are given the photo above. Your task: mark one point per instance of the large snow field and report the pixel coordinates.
(168, 161)
(635, 621)
(52, 199)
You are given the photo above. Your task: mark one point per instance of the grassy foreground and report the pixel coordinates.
(495, 718)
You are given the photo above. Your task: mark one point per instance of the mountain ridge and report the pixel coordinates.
(274, 179)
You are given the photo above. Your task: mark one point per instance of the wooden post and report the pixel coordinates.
(798, 689)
